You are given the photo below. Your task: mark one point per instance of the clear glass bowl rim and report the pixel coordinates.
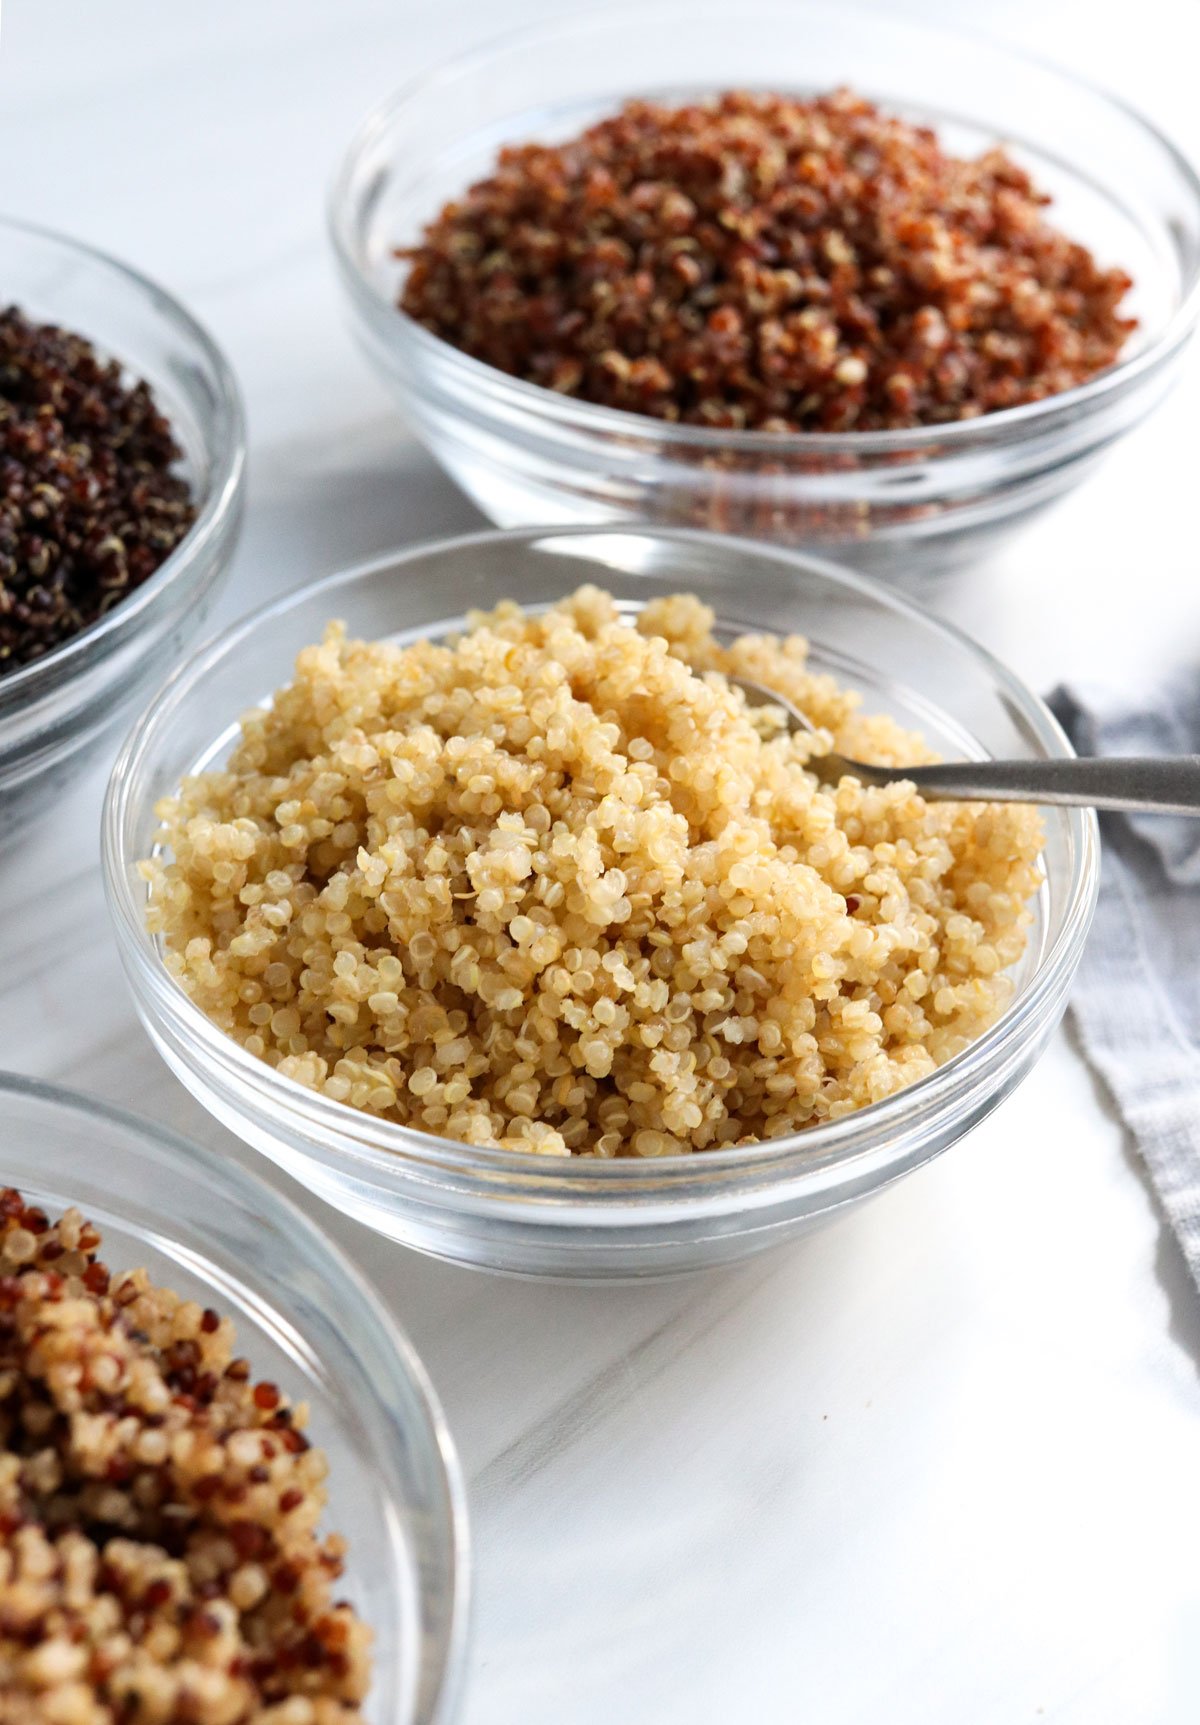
(227, 452)
(487, 380)
(279, 1213)
(849, 1143)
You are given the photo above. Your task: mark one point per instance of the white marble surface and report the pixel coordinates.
(938, 1464)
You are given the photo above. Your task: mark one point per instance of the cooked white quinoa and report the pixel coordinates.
(552, 886)
(159, 1559)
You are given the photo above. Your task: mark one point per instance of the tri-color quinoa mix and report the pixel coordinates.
(91, 503)
(768, 263)
(159, 1563)
(553, 886)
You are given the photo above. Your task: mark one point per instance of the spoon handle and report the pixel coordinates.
(1157, 785)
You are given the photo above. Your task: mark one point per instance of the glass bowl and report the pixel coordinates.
(927, 499)
(56, 712)
(561, 1216)
(305, 1320)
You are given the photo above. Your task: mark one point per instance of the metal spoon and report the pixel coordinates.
(1150, 784)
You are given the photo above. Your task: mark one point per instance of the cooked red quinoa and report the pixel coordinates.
(767, 263)
(158, 1555)
(90, 503)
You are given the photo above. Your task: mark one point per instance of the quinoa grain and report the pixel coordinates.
(623, 950)
(763, 262)
(153, 1514)
(90, 502)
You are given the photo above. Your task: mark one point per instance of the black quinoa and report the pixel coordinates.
(91, 503)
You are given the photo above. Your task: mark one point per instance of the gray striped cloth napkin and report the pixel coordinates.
(1137, 995)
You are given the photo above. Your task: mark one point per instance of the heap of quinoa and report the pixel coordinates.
(91, 499)
(768, 263)
(553, 886)
(159, 1560)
